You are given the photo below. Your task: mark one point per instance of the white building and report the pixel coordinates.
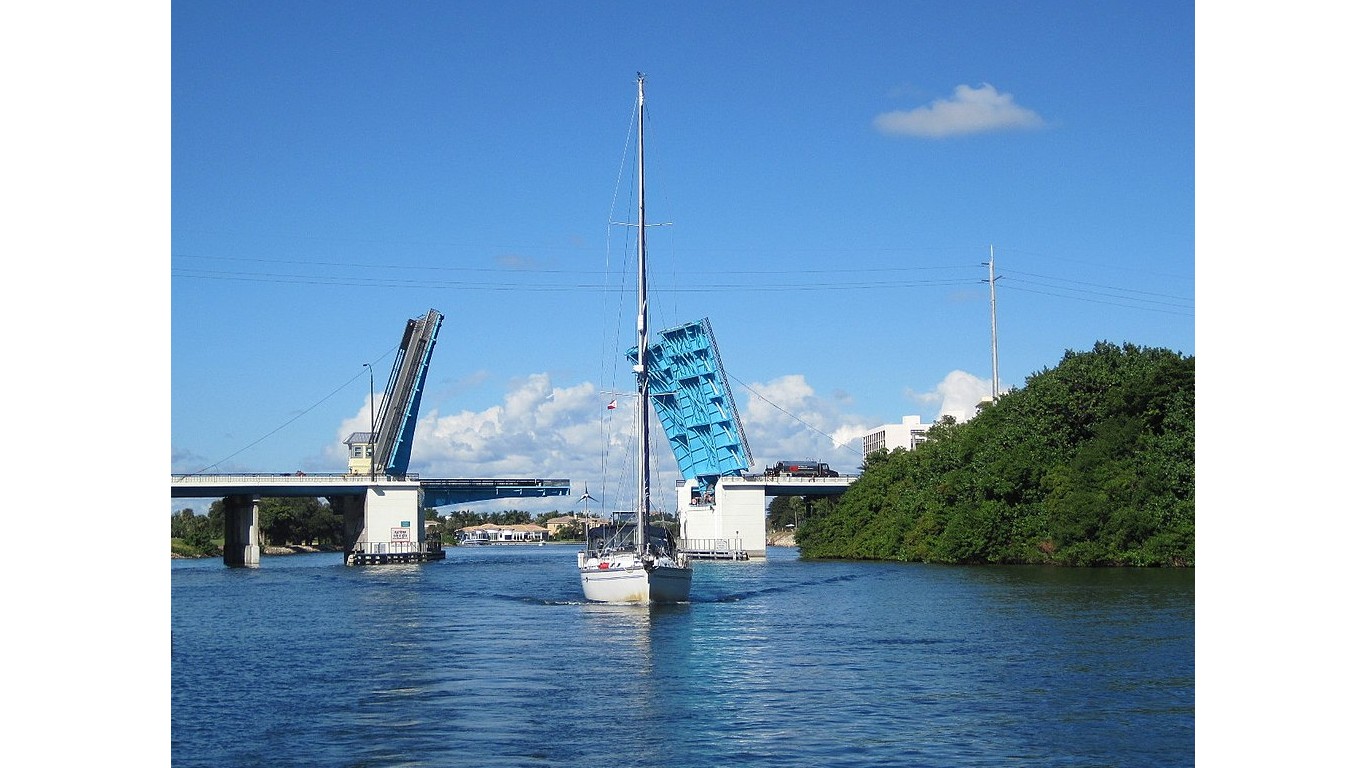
(910, 433)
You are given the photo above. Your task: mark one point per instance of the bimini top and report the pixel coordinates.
(615, 537)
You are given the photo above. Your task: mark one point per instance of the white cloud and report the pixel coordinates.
(785, 419)
(957, 395)
(970, 110)
(528, 435)
(538, 431)
(546, 431)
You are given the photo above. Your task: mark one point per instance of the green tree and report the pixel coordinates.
(181, 522)
(781, 513)
(322, 524)
(1090, 463)
(295, 521)
(196, 534)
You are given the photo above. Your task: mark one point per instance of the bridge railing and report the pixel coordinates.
(497, 482)
(397, 547)
(797, 479)
(714, 549)
(300, 478)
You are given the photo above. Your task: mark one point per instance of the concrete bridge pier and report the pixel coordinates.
(241, 531)
(352, 511)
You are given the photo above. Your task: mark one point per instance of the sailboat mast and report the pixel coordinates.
(642, 333)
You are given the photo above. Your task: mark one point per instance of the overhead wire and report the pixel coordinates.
(714, 287)
(1177, 306)
(802, 421)
(289, 421)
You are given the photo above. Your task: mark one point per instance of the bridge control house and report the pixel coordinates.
(360, 448)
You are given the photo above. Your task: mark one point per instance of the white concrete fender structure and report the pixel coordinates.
(393, 524)
(734, 519)
(737, 516)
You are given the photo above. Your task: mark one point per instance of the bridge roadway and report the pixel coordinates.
(381, 517)
(789, 485)
(436, 492)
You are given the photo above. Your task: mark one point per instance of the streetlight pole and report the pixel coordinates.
(372, 421)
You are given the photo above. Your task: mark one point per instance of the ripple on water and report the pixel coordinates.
(492, 658)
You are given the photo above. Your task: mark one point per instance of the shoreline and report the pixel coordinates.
(786, 539)
(773, 540)
(270, 551)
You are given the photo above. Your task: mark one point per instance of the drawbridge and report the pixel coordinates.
(396, 424)
(396, 421)
(695, 406)
(379, 500)
(721, 508)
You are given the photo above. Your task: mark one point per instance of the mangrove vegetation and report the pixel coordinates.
(1091, 463)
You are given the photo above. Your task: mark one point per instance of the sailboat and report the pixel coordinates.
(637, 562)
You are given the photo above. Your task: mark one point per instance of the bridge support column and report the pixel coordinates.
(241, 531)
(352, 511)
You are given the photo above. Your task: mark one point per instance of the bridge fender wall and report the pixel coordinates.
(738, 511)
(741, 505)
(393, 515)
(241, 531)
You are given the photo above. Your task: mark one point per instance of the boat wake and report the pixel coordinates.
(736, 597)
(699, 596)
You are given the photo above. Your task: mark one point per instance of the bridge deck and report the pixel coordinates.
(436, 491)
(784, 485)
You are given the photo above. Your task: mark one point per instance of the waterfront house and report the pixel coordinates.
(493, 533)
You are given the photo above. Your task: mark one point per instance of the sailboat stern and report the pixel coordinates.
(624, 578)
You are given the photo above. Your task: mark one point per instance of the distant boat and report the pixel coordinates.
(637, 562)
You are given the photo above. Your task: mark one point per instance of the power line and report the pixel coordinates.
(776, 281)
(771, 272)
(1099, 285)
(295, 418)
(1014, 287)
(801, 421)
(719, 287)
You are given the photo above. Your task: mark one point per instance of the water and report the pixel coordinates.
(490, 658)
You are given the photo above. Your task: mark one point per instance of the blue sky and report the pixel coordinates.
(832, 178)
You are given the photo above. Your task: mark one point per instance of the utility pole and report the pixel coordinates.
(990, 264)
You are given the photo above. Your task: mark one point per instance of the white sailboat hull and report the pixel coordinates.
(624, 579)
